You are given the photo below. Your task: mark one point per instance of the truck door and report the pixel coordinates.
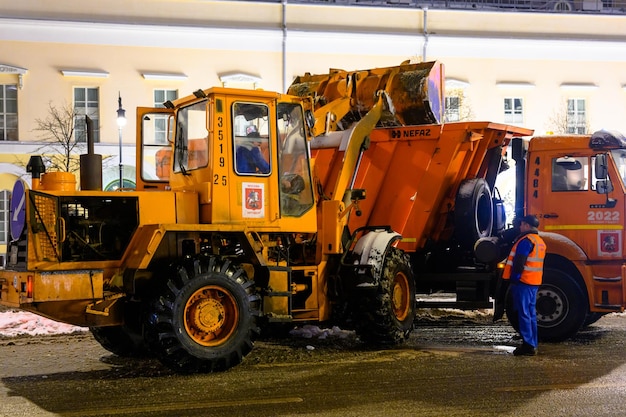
(572, 205)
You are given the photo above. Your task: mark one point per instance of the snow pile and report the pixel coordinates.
(442, 313)
(308, 332)
(20, 323)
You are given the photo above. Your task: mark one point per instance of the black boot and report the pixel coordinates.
(525, 350)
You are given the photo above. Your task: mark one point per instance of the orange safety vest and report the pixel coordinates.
(533, 268)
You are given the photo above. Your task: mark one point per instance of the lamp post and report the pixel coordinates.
(121, 122)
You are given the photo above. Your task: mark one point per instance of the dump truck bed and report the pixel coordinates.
(412, 174)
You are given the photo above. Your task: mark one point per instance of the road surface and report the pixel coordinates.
(451, 366)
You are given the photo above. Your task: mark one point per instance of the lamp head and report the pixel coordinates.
(121, 113)
(121, 117)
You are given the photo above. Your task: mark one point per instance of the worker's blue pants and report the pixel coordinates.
(525, 300)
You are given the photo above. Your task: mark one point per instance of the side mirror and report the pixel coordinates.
(601, 167)
(604, 186)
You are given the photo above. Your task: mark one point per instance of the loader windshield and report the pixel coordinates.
(296, 195)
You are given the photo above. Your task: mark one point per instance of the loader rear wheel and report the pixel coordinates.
(126, 340)
(473, 212)
(120, 340)
(386, 315)
(205, 319)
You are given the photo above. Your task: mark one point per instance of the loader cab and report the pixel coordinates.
(245, 152)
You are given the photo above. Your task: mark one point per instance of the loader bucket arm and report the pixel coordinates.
(341, 98)
(356, 145)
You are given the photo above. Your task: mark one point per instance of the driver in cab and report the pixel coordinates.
(248, 157)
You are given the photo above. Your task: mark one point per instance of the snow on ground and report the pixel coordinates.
(22, 323)
(15, 323)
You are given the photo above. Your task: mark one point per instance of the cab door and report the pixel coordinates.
(253, 189)
(154, 153)
(609, 213)
(562, 192)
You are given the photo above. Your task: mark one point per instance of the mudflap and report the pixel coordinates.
(499, 303)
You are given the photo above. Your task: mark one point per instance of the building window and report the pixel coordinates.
(576, 116)
(4, 218)
(8, 112)
(457, 104)
(453, 109)
(513, 110)
(86, 103)
(160, 121)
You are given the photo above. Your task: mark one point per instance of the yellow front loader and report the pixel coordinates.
(237, 223)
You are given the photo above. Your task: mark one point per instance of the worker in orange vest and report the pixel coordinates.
(524, 270)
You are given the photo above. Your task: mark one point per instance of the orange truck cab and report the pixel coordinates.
(575, 184)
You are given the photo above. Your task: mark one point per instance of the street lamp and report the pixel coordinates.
(121, 122)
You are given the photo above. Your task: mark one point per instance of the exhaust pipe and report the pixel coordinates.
(90, 163)
(36, 168)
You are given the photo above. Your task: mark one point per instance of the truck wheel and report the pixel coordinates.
(561, 306)
(592, 318)
(205, 320)
(473, 212)
(386, 316)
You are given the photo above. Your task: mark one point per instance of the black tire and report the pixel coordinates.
(205, 318)
(386, 315)
(562, 306)
(121, 340)
(126, 340)
(473, 212)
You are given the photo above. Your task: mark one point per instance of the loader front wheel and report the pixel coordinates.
(205, 320)
(386, 315)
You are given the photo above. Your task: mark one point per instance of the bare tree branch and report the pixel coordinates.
(560, 120)
(60, 149)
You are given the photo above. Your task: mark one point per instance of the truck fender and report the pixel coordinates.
(564, 246)
(371, 250)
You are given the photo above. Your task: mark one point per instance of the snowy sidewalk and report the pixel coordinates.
(20, 323)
